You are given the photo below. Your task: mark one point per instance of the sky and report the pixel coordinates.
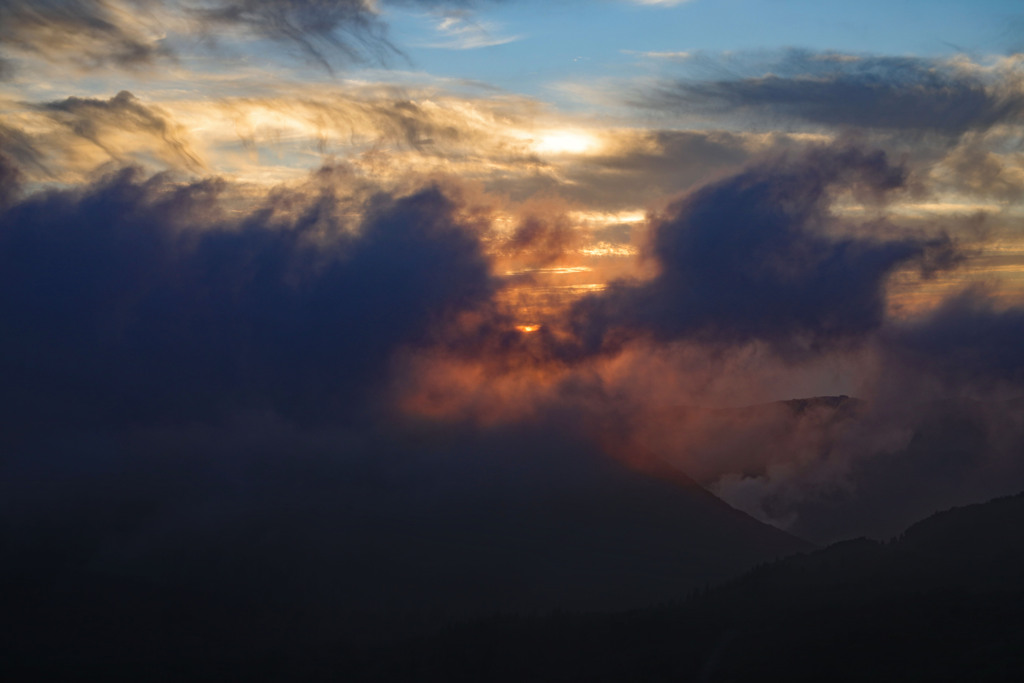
(248, 244)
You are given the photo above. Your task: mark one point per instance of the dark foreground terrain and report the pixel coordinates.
(164, 570)
(942, 602)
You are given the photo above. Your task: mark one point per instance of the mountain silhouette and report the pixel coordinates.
(942, 602)
(420, 530)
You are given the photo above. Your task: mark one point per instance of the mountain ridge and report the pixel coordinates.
(909, 609)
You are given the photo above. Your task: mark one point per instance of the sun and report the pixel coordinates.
(565, 141)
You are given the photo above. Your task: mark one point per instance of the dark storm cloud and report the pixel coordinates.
(137, 301)
(750, 258)
(900, 93)
(98, 120)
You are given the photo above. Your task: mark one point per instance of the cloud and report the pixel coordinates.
(102, 122)
(899, 460)
(134, 33)
(672, 56)
(16, 151)
(640, 169)
(541, 232)
(980, 166)
(391, 134)
(966, 342)
(320, 30)
(892, 93)
(10, 180)
(93, 33)
(939, 421)
(136, 300)
(751, 257)
(462, 32)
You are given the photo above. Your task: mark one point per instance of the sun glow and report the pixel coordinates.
(565, 141)
(527, 328)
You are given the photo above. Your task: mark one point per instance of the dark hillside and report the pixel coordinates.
(944, 602)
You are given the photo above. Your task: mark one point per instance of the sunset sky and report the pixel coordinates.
(304, 227)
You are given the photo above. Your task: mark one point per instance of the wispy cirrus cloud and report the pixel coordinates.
(134, 34)
(863, 91)
(92, 33)
(460, 30)
(677, 56)
(343, 30)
